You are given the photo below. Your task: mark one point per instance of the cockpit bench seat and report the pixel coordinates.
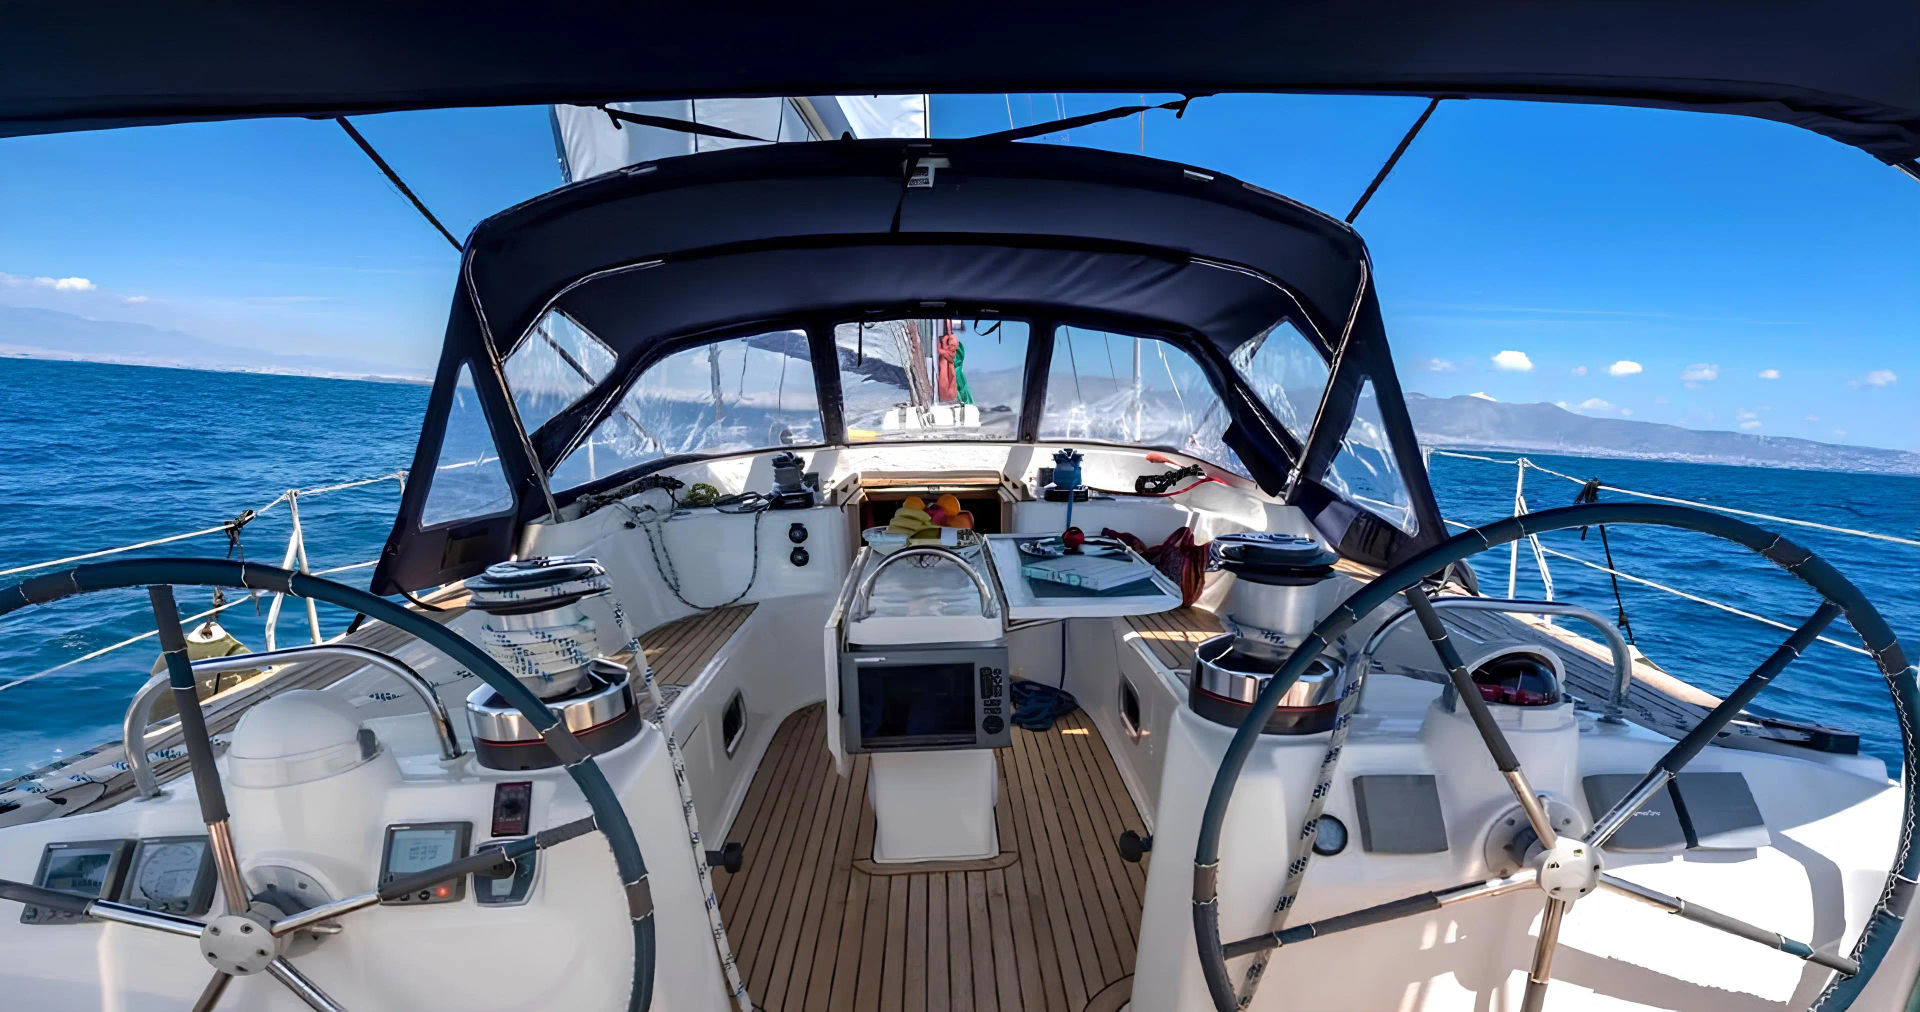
(679, 651)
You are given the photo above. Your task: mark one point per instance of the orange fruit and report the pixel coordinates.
(962, 520)
(949, 502)
(914, 502)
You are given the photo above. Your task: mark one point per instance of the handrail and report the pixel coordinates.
(863, 597)
(1622, 657)
(136, 731)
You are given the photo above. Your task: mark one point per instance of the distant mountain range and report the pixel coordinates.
(45, 333)
(1474, 421)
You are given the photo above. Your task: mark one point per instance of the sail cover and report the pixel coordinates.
(591, 142)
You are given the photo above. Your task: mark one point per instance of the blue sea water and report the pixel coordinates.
(94, 456)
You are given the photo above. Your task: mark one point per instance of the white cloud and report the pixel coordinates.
(1813, 418)
(1624, 367)
(1579, 370)
(1750, 424)
(1595, 404)
(1842, 433)
(1662, 399)
(1700, 372)
(1483, 395)
(1513, 361)
(1439, 365)
(1626, 412)
(1745, 415)
(65, 284)
(134, 300)
(1878, 378)
(1769, 374)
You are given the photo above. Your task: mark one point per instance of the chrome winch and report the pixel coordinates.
(537, 630)
(1283, 585)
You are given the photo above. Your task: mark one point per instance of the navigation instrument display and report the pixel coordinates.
(90, 868)
(172, 874)
(418, 846)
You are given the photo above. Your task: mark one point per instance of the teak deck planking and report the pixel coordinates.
(816, 926)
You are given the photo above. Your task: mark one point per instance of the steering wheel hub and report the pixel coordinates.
(1570, 869)
(239, 944)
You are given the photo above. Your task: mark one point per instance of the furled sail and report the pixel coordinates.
(589, 142)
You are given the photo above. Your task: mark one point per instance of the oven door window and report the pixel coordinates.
(916, 706)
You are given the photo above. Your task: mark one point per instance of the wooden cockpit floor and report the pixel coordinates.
(1050, 924)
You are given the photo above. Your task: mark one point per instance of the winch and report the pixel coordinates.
(536, 628)
(1283, 585)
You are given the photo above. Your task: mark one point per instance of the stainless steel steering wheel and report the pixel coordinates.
(1566, 868)
(251, 936)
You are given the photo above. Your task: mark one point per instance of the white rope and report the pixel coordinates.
(519, 658)
(113, 551)
(1729, 609)
(189, 620)
(1675, 591)
(1851, 531)
(1309, 824)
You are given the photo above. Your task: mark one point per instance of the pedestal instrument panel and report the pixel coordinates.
(417, 846)
(172, 874)
(90, 868)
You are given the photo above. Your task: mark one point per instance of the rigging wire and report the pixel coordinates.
(1392, 160)
(394, 178)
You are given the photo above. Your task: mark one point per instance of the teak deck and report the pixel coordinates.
(1051, 924)
(679, 650)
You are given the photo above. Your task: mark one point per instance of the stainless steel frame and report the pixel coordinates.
(135, 732)
(1622, 658)
(863, 595)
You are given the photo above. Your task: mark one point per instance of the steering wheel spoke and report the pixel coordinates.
(1541, 972)
(199, 744)
(210, 995)
(303, 988)
(1729, 924)
(1381, 913)
(1483, 721)
(1710, 726)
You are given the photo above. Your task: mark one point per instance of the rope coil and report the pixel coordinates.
(531, 651)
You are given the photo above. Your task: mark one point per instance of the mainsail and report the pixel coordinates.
(589, 142)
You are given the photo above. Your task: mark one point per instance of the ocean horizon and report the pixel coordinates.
(103, 454)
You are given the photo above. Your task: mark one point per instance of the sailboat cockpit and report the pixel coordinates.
(907, 573)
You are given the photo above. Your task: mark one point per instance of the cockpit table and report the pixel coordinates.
(1038, 600)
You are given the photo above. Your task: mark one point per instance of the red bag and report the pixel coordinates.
(1182, 560)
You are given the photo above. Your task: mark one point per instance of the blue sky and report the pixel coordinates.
(1713, 272)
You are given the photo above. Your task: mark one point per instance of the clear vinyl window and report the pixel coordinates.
(1365, 470)
(468, 480)
(1286, 373)
(931, 379)
(557, 363)
(1117, 388)
(743, 393)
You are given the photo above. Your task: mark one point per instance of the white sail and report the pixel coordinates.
(589, 143)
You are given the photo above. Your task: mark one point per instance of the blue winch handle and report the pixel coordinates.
(1875, 939)
(608, 815)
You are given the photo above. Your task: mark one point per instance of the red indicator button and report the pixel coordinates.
(443, 890)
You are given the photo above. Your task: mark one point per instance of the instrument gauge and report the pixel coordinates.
(173, 875)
